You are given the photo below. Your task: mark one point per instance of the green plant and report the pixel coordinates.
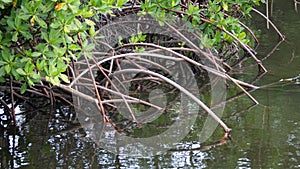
(136, 39)
(211, 18)
(38, 39)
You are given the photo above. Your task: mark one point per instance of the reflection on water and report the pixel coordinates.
(264, 136)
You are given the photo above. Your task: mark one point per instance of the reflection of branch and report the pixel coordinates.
(296, 5)
(242, 111)
(272, 51)
(5, 105)
(185, 91)
(251, 97)
(267, 14)
(224, 140)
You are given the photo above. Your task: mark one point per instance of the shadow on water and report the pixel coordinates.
(264, 136)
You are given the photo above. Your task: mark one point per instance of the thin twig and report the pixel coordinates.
(249, 95)
(271, 10)
(248, 29)
(113, 85)
(267, 13)
(105, 118)
(211, 70)
(276, 29)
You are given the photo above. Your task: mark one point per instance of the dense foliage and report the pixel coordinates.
(39, 39)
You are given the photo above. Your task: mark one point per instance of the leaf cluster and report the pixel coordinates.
(38, 39)
(210, 18)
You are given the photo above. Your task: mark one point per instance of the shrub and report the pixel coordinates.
(39, 39)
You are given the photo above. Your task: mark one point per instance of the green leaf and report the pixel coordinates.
(89, 47)
(25, 60)
(2, 63)
(54, 80)
(23, 88)
(96, 3)
(74, 47)
(161, 23)
(36, 54)
(72, 55)
(67, 28)
(40, 64)
(89, 22)
(5, 54)
(87, 14)
(45, 36)
(68, 39)
(26, 34)
(175, 3)
(17, 22)
(6, 1)
(120, 3)
(64, 78)
(11, 24)
(15, 37)
(35, 76)
(225, 6)
(21, 72)
(24, 16)
(53, 71)
(41, 22)
(13, 71)
(55, 24)
(2, 71)
(7, 68)
(29, 67)
(242, 35)
(48, 6)
(30, 82)
(2, 80)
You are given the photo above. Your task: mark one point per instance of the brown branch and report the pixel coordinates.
(125, 101)
(248, 29)
(105, 118)
(269, 21)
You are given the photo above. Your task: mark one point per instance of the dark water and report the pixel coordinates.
(264, 136)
